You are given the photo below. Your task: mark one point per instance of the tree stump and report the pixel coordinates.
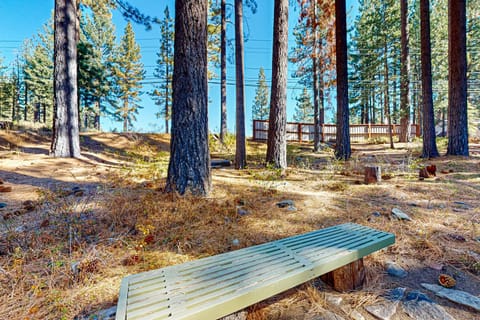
(373, 174)
(347, 278)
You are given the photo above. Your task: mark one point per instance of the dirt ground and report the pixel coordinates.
(115, 189)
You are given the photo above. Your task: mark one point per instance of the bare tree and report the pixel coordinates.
(457, 79)
(429, 143)
(223, 71)
(342, 147)
(240, 152)
(65, 139)
(189, 166)
(404, 75)
(277, 124)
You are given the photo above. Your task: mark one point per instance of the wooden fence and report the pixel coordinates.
(304, 132)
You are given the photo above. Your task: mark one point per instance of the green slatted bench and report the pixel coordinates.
(216, 286)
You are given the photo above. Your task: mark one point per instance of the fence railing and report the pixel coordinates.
(304, 132)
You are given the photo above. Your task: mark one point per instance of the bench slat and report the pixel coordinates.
(216, 286)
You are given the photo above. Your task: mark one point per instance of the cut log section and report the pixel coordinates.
(373, 174)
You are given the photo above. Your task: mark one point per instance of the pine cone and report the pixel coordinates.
(446, 281)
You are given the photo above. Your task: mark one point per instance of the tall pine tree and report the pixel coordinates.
(304, 108)
(260, 107)
(128, 72)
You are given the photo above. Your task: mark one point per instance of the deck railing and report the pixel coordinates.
(304, 132)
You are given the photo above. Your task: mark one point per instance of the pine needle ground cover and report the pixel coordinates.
(72, 229)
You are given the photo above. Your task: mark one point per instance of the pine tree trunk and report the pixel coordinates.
(321, 87)
(240, 152)
(277, 124)
(125, 114)
(25, 110)
(167, 94)
(189, 166)
(429, 143)
(316, 107)
(404, 74)
(342, 146)
(223, 71)
(66, 140)
(457, 79)
(387, 96)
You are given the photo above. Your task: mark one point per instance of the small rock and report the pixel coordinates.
(75, 268)
(376, 214)
(241, 315)
(241, 211)
(333, 299)
(456, 237)
(291, 208)
(285, 203)
(413, 204)
(3, 205)
(386, 309)
(477, 239)
(400, 215)
(20, 229)
(462, 205)
(235, 242)
(355, 315)
(418, 306)
(436, 266)
(322, 315)
(395, 270)
(457, 296)
(107, 314)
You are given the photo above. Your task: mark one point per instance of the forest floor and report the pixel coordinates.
(71, 229)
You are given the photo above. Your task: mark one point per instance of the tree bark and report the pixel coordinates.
(342, 146)
(223, 72)
(189, 166)
(457, 79)
(66, 139)
(373, 174)
(429, 143)
(125, 115)
(277, 124)
(404, 75)
(388, 113)
(240, 152)
(316, 114)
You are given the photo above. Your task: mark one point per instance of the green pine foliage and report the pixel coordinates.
(128, 72)
(95, 56)
(5, 87)
(261, 107)
(162, 94)
(38, 73)
(304, 108)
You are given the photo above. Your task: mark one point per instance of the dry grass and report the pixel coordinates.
(68, 256)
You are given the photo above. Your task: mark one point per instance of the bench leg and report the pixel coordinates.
(347, 278)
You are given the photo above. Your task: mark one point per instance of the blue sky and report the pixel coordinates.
(22, 19)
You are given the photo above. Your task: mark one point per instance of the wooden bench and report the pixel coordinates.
(217, 286)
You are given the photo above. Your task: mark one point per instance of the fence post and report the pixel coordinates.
(369, 131)
(254, 130)
(323, 132)
(299, 132)
(394, 130)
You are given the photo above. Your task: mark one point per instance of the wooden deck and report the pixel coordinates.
(216, 286)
